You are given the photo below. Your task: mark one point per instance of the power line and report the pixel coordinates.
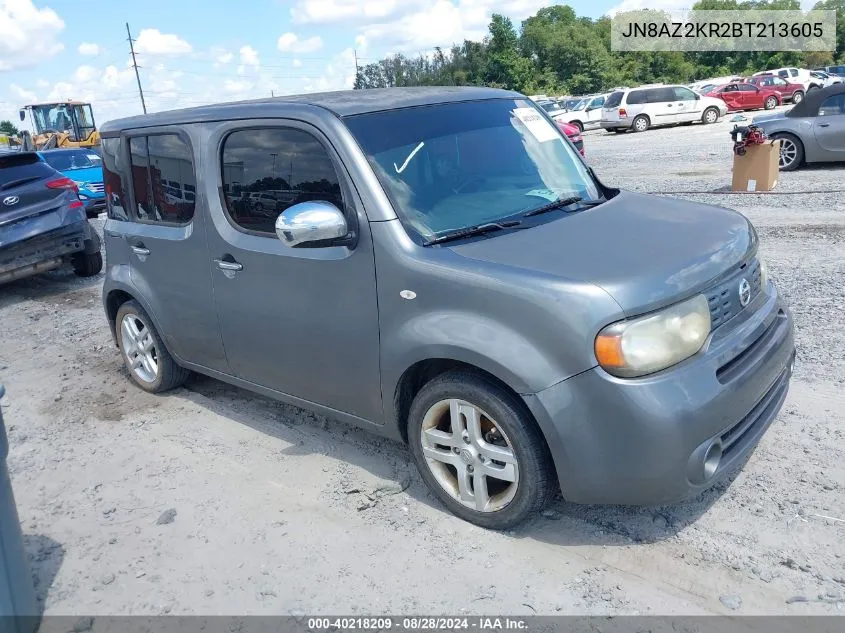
(135, 65)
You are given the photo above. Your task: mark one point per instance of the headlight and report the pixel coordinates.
(655, 341)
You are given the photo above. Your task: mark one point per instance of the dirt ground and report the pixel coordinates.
(213, 500)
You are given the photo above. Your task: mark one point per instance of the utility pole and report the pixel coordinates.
(135, 64)
(355, 51)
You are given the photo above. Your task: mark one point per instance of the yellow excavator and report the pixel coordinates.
(59, 124)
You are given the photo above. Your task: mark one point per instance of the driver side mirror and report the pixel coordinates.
(313, 224)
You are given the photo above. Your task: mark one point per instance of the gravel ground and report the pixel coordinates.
(213, 500)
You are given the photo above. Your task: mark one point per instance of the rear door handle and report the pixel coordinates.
(824, 124)
(140, 250)
(231, 266)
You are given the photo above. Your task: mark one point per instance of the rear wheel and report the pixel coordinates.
(791, 152)
(144, 354)
(711, 115)
(798, 96)
(771, 102)
(479, 450)
(87, 264)
(641, 123)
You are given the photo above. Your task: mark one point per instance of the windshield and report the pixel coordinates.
(452, 166)
(52, 118)
(70, 159)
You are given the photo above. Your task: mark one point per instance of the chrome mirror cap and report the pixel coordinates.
(309, 222)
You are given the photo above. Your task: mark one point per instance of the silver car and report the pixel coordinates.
(811, 132)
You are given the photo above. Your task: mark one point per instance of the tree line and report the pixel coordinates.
(557, 52)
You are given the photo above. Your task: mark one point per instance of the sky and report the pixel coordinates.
(194, 52)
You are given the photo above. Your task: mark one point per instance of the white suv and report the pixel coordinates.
(795, 76)
(585, 115)
(642, 108)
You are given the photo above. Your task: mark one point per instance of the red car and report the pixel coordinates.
(786, 90)
(746, 96)
(573, 134)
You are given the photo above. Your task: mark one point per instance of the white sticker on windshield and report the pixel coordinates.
(548, 194)
(539, 127)
(93, 157)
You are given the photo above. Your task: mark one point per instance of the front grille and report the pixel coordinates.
(98, 187)
(724, 298)
(763, 411)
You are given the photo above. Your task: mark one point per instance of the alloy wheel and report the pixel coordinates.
(469, 455)
(788, 152)
(139, 347)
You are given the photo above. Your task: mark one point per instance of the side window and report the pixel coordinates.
(685, 94)
(661, 95)
(162, 171)
(597, 102)
(267, 170)
(783, 73)
(833, 106)
(636, 97)
(747, 88)
(116, 200)
(793, 72)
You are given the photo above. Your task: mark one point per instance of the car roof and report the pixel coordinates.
(809, 105)
(340, 103)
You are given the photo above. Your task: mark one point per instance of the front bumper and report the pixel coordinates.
(94, 206)
(644, 441)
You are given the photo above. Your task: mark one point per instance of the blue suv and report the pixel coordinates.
(85, 167)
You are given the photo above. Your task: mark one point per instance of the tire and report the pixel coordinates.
(770, 103)
(87, 264)
(812, 87)
(710, 115)
(798, 96)
(641, 123)
(791, 152)
(618, 130)
(523, 489)
(157, 371)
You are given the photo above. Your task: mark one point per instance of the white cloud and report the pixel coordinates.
(26, 96)
(249, 60)
(28, 35)
(297, 63)
(326, 11)
(234, 86)
(224, 57)
(88, 49)
(290, 43)
(154, 42)
(42, 83)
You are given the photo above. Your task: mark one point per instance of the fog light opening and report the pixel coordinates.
(712, 459)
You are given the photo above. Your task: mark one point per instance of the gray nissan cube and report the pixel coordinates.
(439, 265)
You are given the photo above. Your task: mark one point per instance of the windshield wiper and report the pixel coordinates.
(560, 203)
(469, 231)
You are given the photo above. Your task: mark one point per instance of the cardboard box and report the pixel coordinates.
(757, 169)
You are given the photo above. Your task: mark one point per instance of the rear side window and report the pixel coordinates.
(161, 170)
(267, 170)
(833, 106)
(19, 169)
(113, 181)
(636, 97)
(614, 100)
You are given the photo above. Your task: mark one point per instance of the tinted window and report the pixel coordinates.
(729, 88)
(777, 81)
(454, 165)
(614, 100)
(19, 167)
(660, 95)
(155, 161)
(265, 171)
(636, 97)
(793, 72)
(833, 105)
(783, 73)
(747, 88)
(114, 186)
(684, 94)
(837, 70)
(597, 102)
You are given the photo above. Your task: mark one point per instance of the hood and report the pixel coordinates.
(716, 101)
(88, 174)
(645, 251)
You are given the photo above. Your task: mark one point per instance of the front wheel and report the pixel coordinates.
(579, 125)
(711, 115)
(791, 152)
(770, 103)
(797, 96)
(479, 450)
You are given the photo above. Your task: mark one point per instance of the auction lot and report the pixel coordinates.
(214, 500)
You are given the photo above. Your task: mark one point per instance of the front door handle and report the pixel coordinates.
(141, 251)
(222, 264)
(824, 124)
